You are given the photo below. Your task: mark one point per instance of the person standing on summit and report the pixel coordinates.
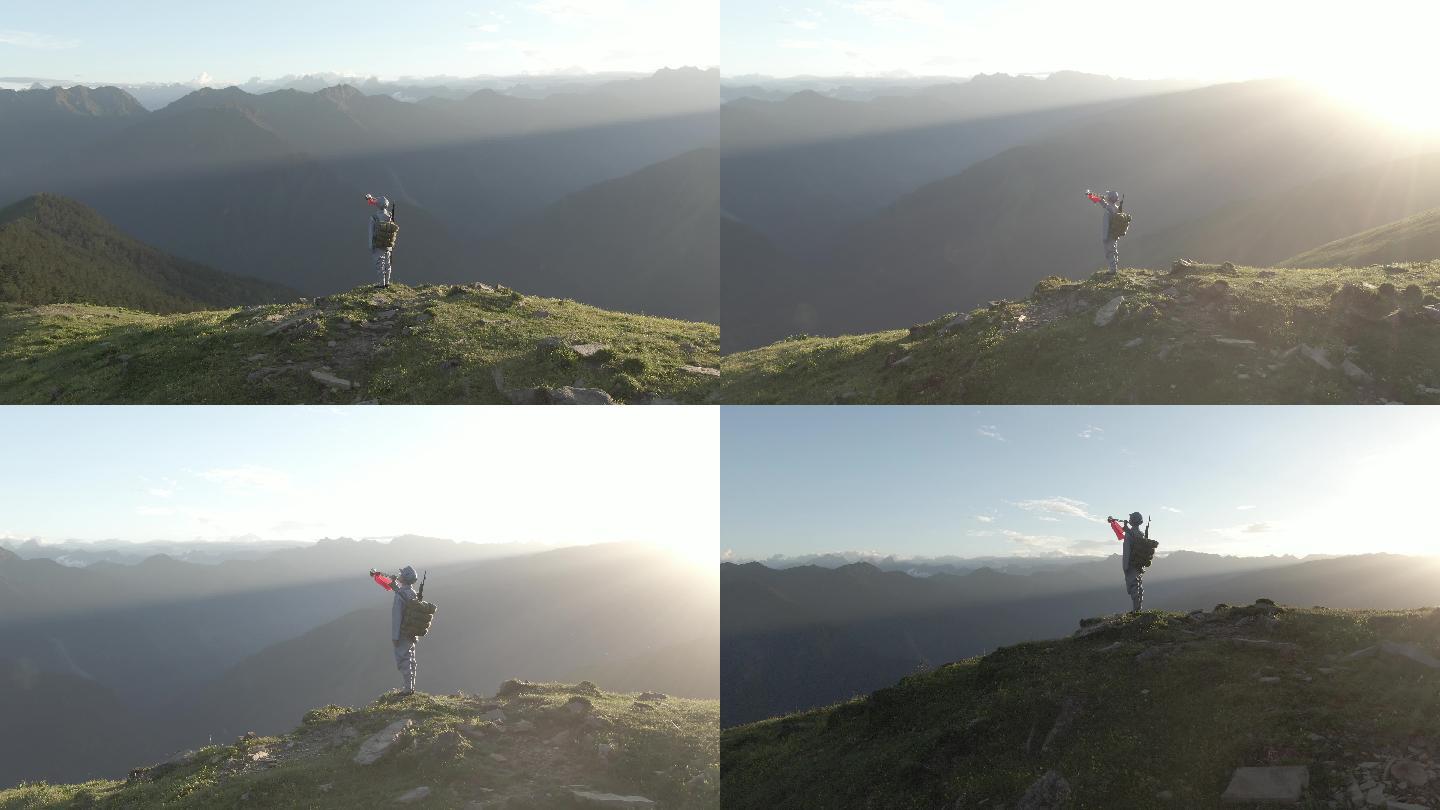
(383, 233)
(402, 585)
(1115, 223)
(1137, 553)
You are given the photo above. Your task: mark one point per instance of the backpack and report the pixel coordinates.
(1119, 224)
(385, 235)
(1142, 551)
(415, 619)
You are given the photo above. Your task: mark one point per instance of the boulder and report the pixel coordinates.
(1411, 652)
(567, 395)
(413, 795)
(1410, 772)
(588, 350)
(1106, 314)
(1272, 784)
(701, 370)
(590, 798)
(652, 696)
(1049, 792)
(1317, 355)
(578, 705)
(326, 378)
(1354, 372)
(379, 744)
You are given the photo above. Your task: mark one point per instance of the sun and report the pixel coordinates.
(1388, 75)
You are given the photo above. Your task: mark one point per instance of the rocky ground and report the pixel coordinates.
(428, 344)
(530, 746)
(1244, 706)
(1195, 333)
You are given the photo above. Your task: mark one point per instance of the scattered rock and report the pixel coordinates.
(567, 395)
(1130, 344)
(1049, 792)
(1410, 771)
(540, 313)
(1317, 355)
(500, 758)
(588, 798)
(652, 696)
(701, 370)
(1411, 652)
(413, 795)
(1106, 314)
(550, 343)
(1234, 341)
(588, 350)
(960, 320)
(326, 378)
(514, 686)
(380, 743)
(1354, 372)
(1273, 784)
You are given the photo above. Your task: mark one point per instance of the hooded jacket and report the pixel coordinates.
(1108, 208)
(1126, 535)
(404, 592)
(383, 213)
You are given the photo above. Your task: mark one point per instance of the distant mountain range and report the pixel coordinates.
(270, 185)
(807, 636)
(56, 250)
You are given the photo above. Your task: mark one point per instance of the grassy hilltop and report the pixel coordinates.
(470, 343)
(1197, 334)
(532, 746)
(1150, 710)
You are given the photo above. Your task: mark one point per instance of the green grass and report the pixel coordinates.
(1415, 238)
(444, 344)
(1162, 348)
(668, 752)
(971, 734)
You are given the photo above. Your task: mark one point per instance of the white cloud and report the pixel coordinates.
(985, 518)
(154, 511)
(1048, 519)
(800, 44)
(905, 11)
(487, 28)
(990, 432)
(1246, 506)
(567, 12)
(160, 492)
(1257, 528)
(1091, 432)
(248, 476)
(1171, 509)
(1061, 507)
(727, 554)
(38, 42)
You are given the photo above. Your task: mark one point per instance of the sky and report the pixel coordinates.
(1215, 40)
(1039, 481)
(560, 476)
(219, 44)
